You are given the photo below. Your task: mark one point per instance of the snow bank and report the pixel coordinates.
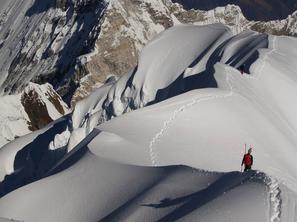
(178, 60)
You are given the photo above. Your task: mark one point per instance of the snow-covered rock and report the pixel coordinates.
(33, 109)
(42, 41)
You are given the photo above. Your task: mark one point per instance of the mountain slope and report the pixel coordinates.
(40, 41)
(194, 108)
(225, 112)
(120, 43)
(78, 44)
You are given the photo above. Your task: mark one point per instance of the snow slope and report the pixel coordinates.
(194, 108)
(243, 109)
(96, 189)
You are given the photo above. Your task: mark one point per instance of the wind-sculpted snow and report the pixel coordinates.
(96, 189)
(208, 127)
(179, 60)
(30, 157)
(244, 108)
(186, 103)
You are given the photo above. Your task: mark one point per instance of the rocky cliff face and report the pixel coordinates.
(41, 42)
(129, 24)
(42, 105)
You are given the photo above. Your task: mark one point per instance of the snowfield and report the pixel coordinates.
(172, 148)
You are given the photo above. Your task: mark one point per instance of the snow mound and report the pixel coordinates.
(161, 62)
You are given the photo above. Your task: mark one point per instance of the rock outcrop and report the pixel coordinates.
(31, 110)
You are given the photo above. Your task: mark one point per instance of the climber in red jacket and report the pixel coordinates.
(247, 160)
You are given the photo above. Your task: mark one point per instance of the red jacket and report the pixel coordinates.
(247, 160)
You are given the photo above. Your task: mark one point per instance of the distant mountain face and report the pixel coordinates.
(259, 10)
(128, 25)
(41, 41)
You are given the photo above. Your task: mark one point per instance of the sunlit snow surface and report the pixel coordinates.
(188, 124)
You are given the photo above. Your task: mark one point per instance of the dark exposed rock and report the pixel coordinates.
(261, 10)
(36, 110)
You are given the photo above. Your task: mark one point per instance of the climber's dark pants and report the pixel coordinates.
(247, 168)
